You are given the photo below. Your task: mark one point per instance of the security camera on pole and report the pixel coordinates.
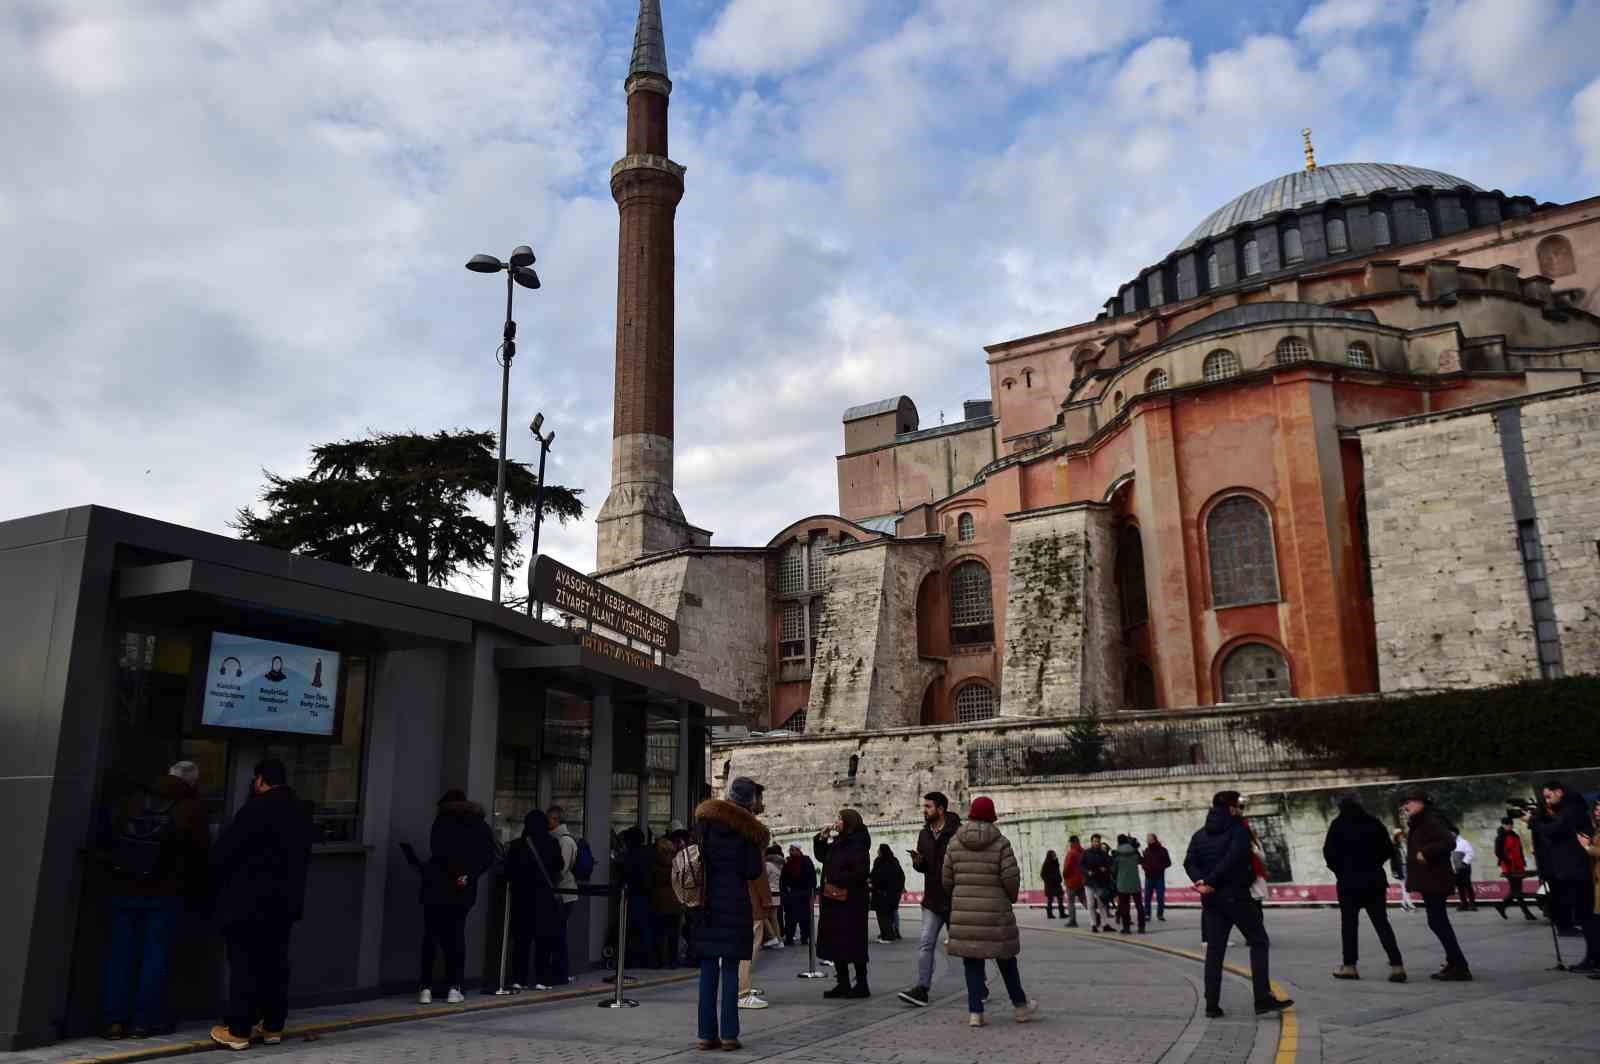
(520, 270)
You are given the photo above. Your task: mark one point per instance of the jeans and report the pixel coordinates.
(889, 922)
(545, 949)
(1075, 898)
(258, 975)
(1219, 915)
(1438, 909)
(141, 929)
(1156, 886)
(1469, 896)
(928, 946)
(1514, 895)
(973, 969)
(1053, 902)
(1099, 908)
(563, 954)
(1353, 901)
(719, 991)
(445, 927)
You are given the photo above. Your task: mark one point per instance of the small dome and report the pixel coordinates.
(1304, 187)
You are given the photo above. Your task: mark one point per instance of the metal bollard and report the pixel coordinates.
(505, 944)
(618, 1001)
(811, 972)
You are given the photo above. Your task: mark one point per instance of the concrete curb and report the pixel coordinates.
(313, 1031)
(1289, 1032)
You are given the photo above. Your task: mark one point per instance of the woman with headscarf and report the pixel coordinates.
(533, 870)
(888, 884)
(461, 848)
(845, 851)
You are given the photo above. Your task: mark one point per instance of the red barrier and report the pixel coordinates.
(1491, 890)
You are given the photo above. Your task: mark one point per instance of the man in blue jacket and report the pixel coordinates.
(1218, 863)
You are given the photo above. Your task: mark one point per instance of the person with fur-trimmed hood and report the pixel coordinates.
(722, 930)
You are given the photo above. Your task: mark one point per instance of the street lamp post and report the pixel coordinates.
(538, 502)
(520, 270)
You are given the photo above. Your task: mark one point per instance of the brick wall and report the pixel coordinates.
(1061, 618)
(1562, 441)
(720, 602)
(867, 673)
(1449, 598)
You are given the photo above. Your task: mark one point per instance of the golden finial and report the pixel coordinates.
(1311, 155)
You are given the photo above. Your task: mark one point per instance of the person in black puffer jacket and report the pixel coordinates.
(1218, 863)
(722, 930)
(1097, 880)
(1356, 850)
(461, 849)
(533, 870)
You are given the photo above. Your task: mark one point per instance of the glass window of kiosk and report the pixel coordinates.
(153, 727)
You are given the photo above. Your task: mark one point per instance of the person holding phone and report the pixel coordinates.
(939, 827)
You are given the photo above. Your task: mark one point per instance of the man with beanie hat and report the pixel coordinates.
(1218, 863)
(1429, 842)
(939, 827)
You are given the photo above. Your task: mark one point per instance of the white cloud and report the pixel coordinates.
(752, 38)
(1586, 125)
(1157, 80)
(1331, 17)
(1506, 50)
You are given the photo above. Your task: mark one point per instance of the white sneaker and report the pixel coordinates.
(425, 997)
(772, 943)
(454, 997)
(884, 941)
(541, 986)
(752, 1002)
(757, 991)
(1027, 1012)
(516, 988)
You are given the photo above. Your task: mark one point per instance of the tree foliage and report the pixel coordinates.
(400, 504)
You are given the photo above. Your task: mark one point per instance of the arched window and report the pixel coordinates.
(966, 529)
(792, 569)
(971, 605)
(974, 702)
(1380, 229)
(1141, 687)
(1244, 567)
(1337, 240)
(796, 723)
(1118, 400)
(1292, 349)
(1252, 258)
(1007, 384)
(1555, 257)
(1221, 364)
(1358, 355)
(1254, 672)
(1027, 378)
(1212, 276)
(1157, 381)
(1130, 577)
(1293, 251)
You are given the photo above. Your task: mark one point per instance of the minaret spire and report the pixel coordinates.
(641, 515)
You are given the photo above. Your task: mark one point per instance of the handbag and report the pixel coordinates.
(834, 892)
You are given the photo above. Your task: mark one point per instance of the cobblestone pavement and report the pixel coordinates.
(1101, 999)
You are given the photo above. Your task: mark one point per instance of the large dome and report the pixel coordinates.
(1304, 187)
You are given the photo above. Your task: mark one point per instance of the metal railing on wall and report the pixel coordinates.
(1141, 749)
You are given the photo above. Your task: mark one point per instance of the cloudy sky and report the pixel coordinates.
(232, 229)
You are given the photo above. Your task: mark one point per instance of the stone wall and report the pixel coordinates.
(1060, 655)
(1449, 598)
(1562, 443)
(720, 600)
(867, 673)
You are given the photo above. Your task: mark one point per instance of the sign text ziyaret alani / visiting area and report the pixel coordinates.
(570, 591)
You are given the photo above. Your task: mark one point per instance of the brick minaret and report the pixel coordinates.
(641, 515)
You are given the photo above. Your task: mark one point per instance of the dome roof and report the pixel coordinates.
(1304, 187)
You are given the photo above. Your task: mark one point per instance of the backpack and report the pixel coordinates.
(583, 861)
(689, 876)
(145, 845)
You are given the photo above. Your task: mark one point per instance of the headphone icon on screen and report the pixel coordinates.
(237, 669)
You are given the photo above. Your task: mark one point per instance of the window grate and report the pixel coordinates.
(966, 529)
(816, 563)
(1358, 355)
(1292, 349)
(1157, 381)
(1254, 672)
(792, 570)
(1220, 365)
(1243, 566)
(975, 702)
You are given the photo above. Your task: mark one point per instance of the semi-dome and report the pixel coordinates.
(1304, 187)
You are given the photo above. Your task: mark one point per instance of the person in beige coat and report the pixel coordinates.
(982, 878)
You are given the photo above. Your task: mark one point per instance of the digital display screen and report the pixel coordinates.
(262, 685)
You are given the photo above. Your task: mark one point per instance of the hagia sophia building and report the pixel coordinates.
(1343, 439)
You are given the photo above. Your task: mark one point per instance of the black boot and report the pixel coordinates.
(841, 989)
(860, 989)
